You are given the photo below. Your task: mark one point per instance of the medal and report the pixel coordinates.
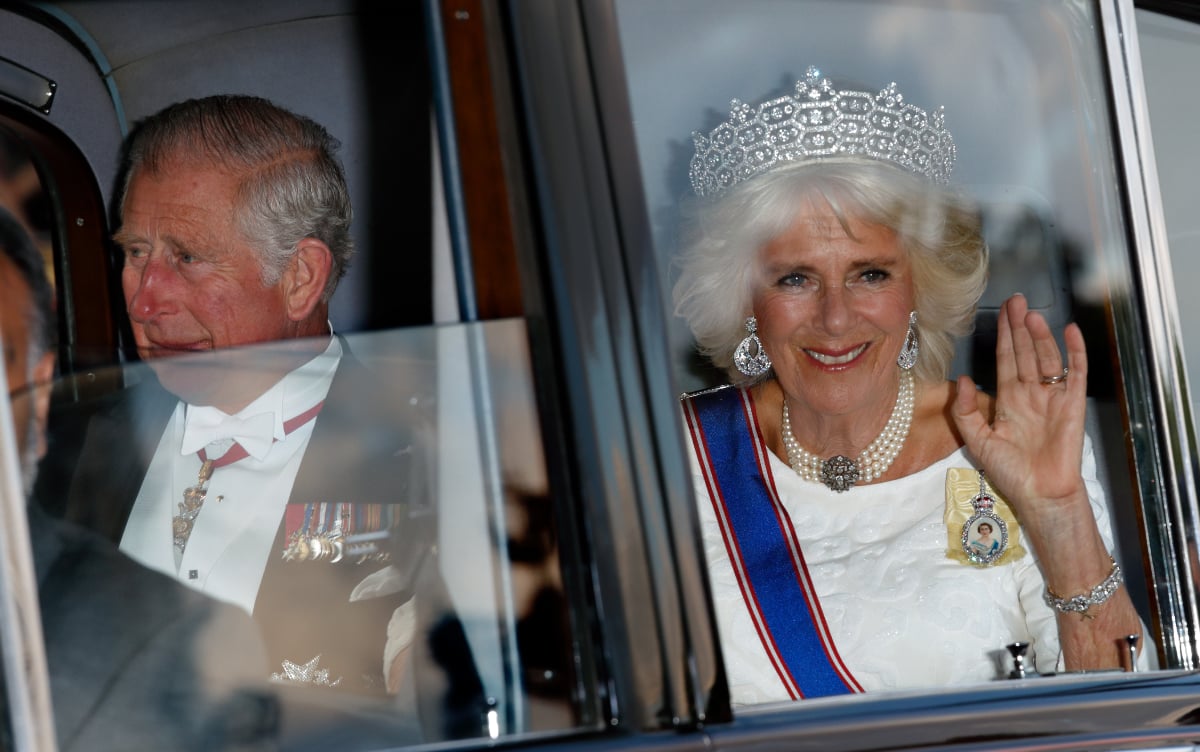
(189, 508)
(984, 535)
(335, 532)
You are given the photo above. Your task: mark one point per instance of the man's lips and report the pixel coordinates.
(836, 359)
(164, 349)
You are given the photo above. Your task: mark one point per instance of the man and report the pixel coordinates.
(135, 661)
(282, 478)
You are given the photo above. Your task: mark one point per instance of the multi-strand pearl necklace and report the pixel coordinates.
(840, 473)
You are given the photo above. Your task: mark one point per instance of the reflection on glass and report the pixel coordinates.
(407, 588)
(6, 735)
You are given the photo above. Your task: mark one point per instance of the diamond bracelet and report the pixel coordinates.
(1080, 604)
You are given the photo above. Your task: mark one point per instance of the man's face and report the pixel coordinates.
(192, 284)
(29, 405)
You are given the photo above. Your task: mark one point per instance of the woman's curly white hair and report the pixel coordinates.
(939, 230)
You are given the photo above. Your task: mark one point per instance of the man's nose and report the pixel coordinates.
(148, 291)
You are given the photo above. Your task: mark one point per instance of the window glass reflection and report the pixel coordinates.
(487, 651)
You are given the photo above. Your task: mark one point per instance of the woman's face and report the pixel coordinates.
(985, 530)
(833, 311)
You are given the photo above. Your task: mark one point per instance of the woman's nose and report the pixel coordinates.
(835, 310)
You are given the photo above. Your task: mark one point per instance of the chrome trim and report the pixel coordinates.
(27, 87)
(613, 356)
(1163, 439)
(27, 681)
(696, 680)
(447, 141)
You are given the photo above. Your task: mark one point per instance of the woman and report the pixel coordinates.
(830, 275)
(985, 545)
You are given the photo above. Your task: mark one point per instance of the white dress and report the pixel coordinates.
(901, 612)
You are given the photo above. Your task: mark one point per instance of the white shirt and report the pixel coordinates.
(230, 542)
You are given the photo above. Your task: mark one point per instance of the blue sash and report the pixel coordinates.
(762, 546)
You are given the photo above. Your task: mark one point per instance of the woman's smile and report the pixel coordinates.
(828, 358)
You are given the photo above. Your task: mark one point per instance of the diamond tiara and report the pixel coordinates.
(820, 121)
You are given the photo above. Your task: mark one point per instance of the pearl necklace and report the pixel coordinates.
(840, 473)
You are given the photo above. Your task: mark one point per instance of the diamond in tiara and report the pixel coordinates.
(821, 121)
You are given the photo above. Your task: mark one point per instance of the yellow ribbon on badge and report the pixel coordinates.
(962, 485)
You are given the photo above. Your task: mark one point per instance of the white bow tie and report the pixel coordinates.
(205, 426)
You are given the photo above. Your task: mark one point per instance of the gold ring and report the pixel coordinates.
(1048, 380)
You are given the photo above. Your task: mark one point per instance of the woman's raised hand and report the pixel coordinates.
(1032, 449)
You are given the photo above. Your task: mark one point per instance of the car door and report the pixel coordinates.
(520, 168)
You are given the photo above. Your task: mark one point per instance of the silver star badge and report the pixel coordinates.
(309, 673)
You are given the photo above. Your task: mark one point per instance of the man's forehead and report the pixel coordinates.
(190, 199)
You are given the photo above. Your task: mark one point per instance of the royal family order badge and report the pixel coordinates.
(981, 528)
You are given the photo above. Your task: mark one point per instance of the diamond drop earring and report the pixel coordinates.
(908, 354)
(750, 357)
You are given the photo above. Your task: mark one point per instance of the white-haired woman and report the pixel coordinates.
(839, 480)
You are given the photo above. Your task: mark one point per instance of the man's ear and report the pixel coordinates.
(43, 372)
(306, 276)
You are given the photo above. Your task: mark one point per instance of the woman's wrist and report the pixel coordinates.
(1083, 603)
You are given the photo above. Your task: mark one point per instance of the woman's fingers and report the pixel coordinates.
(1076, 360)
(1025, 354)
(1026, 350)
(1006, 364)
(1049, 361)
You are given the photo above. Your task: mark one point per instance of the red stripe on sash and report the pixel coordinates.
(801, 567)
(788, 675)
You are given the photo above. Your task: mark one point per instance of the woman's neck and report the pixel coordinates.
(849, 433)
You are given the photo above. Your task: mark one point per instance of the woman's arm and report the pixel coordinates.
(1032, 453)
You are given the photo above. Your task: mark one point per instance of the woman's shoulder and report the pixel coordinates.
(935, 401)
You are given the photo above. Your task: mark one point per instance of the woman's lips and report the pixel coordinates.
(830, 359)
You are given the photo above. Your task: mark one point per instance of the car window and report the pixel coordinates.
(1026, 96)
(444, 440)
(449, 429)
(1169, 45)
(445, 458)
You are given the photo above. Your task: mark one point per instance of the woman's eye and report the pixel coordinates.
(795, 279)
(874, 275)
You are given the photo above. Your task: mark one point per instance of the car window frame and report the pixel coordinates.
(22, 652)
(598, 309)
(1160, 434)
(1163, 436)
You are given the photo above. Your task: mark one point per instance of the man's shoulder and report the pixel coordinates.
(82, 562)
(97, 444)
(375, 414)
(123, 642)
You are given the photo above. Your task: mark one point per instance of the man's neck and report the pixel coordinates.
(232, 378)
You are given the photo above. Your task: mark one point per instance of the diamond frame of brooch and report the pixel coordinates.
(999, 524)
